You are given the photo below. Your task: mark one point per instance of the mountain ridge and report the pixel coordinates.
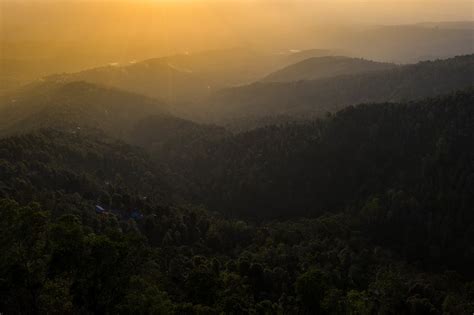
(409, 82)
(81, 106)
(324, 67)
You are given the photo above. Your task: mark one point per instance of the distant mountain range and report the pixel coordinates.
(221, 68)
(134, 102)
(188, 77)
(406, 43)
(316, 97)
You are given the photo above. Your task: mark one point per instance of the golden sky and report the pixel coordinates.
(148, 28)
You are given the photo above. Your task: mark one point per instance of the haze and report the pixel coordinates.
(139, 29)
(41, 37)
(236, 157)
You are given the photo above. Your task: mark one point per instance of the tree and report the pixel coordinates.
(310, 288)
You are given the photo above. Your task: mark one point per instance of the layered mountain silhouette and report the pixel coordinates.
(79, 107)
(188, 77)
(317, 97)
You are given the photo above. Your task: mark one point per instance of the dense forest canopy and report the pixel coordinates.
(414, 157)
(374, 205)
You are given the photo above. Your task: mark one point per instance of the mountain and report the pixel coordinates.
(407, 43)
(295, 55)
(316, 97)
(188, 77)
(324, 67)
(456, 25)
(155, 78)
(411, 43)
(80, 107)
(24, 59)
(75, 104)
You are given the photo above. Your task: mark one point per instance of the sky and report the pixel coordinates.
(68, 18)
(96, 29)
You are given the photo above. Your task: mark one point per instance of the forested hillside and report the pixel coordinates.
(89, 226)
(50, 164)
(86, 107)
(425, 79)
(76, 104)
(405, 169)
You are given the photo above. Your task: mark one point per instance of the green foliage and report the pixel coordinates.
(144, 298)
(367, 209)
(311, 287)
(403, 171)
